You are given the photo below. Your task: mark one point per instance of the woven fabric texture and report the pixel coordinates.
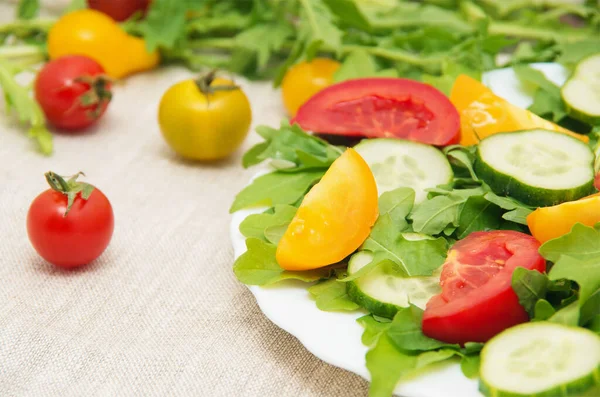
(160, 313)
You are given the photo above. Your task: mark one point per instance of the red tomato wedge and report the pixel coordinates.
(477, 299)
(382, 108)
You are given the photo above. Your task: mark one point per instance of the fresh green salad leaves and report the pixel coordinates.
(258, 266)
(554, 297)
(399, 349)
(331, 295)
(26, 108)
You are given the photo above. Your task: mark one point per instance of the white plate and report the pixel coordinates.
(336, 337)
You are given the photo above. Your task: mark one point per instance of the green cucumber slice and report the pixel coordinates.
(399, 163)
(383, 292)
(538, 167)
(540, 359)
(581, 93)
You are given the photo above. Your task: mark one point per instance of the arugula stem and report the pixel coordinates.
(27, 25)
(394, 55)
(23, 55)
(526, 32)
(220, 43)
(310, 14)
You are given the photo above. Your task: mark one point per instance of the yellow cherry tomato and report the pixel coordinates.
(335, 217)
(95, 35)
(547, 223)
(205, 119)
(482, 113)
(304, 80)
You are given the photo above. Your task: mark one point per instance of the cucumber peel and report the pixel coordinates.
(581, 93)
(537, 167)
(540, 359)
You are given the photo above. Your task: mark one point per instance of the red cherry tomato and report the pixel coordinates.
(73, 238)
(119, 10)
(73, 91)
(477, 299)
(382, 107)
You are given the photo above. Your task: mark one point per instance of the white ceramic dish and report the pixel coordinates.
(336, 337)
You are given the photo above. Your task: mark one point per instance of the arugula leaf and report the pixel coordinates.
(164, 24)
(290, 145)
(387, 365)
(476, 215)
(28, 9)
(543, 310)
(406, 334)
(568, 315)
(461, 158)
(264, 40)
(469, 365)
(255, 225)
(548, 99)
(518, 215)
(518, 211)
(360, 64)
(317, 27)
(27, 109)
(571, 53)
(397, 203)
(258, 266)
(373, 328)
(581, 243)
(331, 295)
(276, 188)
(433, 216)
(585, 272)
(413, 257)
(594, 325)
(530, 286)
(349, 13)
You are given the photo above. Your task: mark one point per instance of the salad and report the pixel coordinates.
(465, 227)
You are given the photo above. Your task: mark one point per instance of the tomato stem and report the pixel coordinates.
(70, 188)
(204, 84)
(98, 95)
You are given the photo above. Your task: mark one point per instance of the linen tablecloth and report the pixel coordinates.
(160, 313)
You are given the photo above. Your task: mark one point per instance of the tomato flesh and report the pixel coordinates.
(382, 107)
(477, 299)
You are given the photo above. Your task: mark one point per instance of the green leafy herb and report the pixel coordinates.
(291, 149)
(530, 286)
(276, 188)
(360, 64)
(254, 226)
(258, 266)
(543, 310)
(28, 9)
(26, 108)
(406, 334)
(476, 215)
(548, 101)
(330, 295)
(373, 328)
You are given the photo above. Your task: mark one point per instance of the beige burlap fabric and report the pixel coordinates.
(161, 312)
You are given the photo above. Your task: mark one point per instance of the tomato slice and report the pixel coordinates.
(382, 107)
(477, 299)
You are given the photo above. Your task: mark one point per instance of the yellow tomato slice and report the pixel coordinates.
(547, 223)
(335, 217)
(482, 113)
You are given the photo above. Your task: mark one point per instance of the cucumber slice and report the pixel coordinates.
(540, 359)
(538, 167)
(382, 291)
(581, 93)
(399, 163)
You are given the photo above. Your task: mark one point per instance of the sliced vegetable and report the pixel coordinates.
(304, 80)
(334, 218)
(477, 300)
(540, 359)
(537, 167)
(96, 35)
(400, 163)
(580, 92)
(548, 223)
(71, 223)
(482, 113)
(73, 91)
(204, 119)
(383, 291)
(119, 10)
(382, 108)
